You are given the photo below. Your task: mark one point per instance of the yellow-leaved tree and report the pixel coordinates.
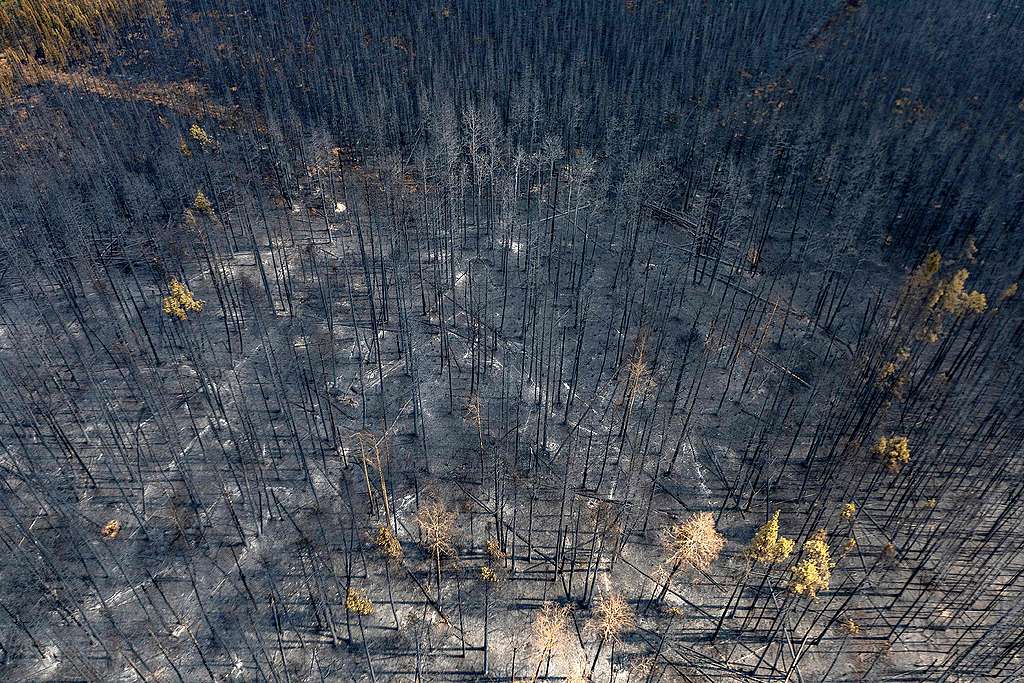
(767, 547)
(197, 133)
(813, 573)
(894, 452)
(202, 203)
(942, 298)
(181, 301)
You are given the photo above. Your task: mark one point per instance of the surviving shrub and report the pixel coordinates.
(199, 135)
(388, 543)
(923, 274)
(111, 529)
(944, 297)
(813, 573)
(181, 301)
(357, 602)
(848, 511)
(201, 203)
(956, 301)
(894, 451)
(767, 547)
(494, 550)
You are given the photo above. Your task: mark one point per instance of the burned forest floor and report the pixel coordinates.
(213, 496)
(283, 404)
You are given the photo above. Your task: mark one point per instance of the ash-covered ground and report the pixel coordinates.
(489, 384)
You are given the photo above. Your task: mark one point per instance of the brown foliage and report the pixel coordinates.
(387, 542)
(111, 529)
(357, 602)
(437, 523)
(612, 615)
(550, 628)
(695, 542)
